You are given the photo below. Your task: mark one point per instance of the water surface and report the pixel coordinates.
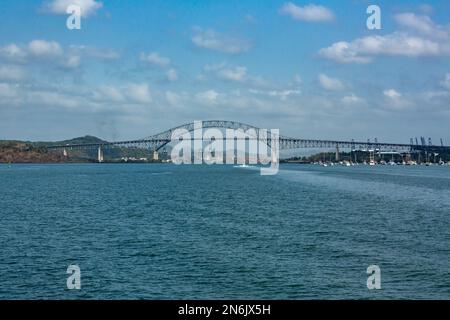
(201, 232)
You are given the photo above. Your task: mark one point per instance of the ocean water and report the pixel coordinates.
(219, 232)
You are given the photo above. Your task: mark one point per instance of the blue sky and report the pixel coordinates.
(310, 68)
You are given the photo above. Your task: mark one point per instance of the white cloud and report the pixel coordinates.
(310, 13)
(43, 48)
(88, 7)
(245, 103)
(363, 50)
(13, 52)
(283, 95)
(82, 98)
(331, 84)
(392, 93)
(12, 73)
(108, 93)
(436, 94)
(344, 52)
(48, 98)
(446, 82)
(395, 99)
(234, 74)
(155, 59)
(172, 75)
(238, 74)
(139, 93)
(36, 51)
(225, 72)
(73, 62)
(208, 97)
(209, 39)
(53, 96)
(422, 24)
(421, 38)
(96, 53)
(352, 99)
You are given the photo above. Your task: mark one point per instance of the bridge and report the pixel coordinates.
(158, 141)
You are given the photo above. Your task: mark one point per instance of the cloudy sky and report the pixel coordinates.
(310, 68)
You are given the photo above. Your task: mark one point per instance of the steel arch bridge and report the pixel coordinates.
(158, 141)
(166, 136)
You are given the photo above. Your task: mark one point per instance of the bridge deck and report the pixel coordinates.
(285, 143)
(158, 141)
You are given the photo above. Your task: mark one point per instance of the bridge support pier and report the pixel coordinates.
(100, 158)
(337, 153)
(155, 155)
(65, 154)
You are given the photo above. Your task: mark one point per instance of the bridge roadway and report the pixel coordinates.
(158, 141)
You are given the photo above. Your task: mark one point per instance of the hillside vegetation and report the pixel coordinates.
(24, 152)
(36, 152)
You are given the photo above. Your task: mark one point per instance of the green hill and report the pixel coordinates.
(79, 140)
(36, 152)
